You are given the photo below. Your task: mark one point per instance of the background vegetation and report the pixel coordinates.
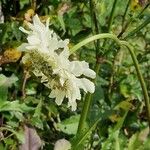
(117, 118)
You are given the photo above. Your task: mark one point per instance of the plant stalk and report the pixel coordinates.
(145, 23)
(111, 19)
(95, 26)
(95, 37)
(112, 15)
(125, 13)
(141, 79)
(88, 97)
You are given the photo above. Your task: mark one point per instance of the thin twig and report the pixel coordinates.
(26, 76)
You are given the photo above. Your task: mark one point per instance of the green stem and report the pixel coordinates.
(125, 27)
(141, 79)
(88, 97)
(84, 112)
(145, 23)
(112, 15)
(86, 106)
(125, 13)
(95, 37)
(95, 27)
(111, 19)
(87, 101)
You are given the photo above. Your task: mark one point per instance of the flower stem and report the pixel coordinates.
(95, 37)
(87, 101)
(111, 19)
(141, 79)
(94, 25)
(112, 15)
(88, 97)
(86, 106)
(141, 26)
(84, 112)
(125, 13)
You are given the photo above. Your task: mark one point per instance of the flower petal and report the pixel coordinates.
(86, 85)
(23, 47)
(23, 30)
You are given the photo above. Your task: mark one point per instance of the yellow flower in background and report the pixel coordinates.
(12, 54)
(29, 14)
(134, 5)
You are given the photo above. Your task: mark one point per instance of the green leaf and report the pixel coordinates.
(80, 138)
(125, 105)
(14, 106)
(61, 21)
(3, 93)
(20, 136)
(112, 142)
(70, 125)
(36, 120)
(6, 82)
(2, 147)
(134, 143)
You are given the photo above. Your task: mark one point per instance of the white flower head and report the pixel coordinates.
(49, 57)
(62, 144)
(41, 38)
(70, 82)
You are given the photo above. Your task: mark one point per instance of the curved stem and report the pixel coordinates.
(88, 97)
(141, 79)
(95, 37)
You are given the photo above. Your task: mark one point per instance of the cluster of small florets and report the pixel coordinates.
(49, 58)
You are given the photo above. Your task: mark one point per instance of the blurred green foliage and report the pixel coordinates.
(118, 89)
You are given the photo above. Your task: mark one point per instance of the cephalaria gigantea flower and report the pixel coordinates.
(49, 57)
